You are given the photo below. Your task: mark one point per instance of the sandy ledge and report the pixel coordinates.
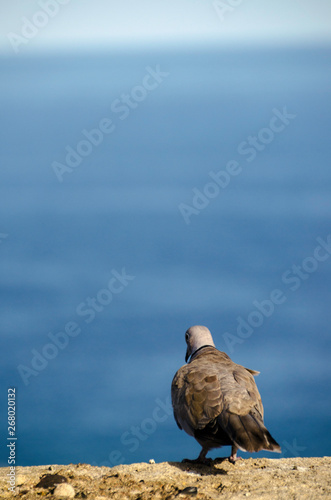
(287, 478)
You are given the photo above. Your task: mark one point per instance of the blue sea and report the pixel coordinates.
(144, 192)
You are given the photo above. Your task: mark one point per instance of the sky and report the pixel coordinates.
(72, 24)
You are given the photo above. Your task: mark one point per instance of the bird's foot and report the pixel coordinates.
(233, 458)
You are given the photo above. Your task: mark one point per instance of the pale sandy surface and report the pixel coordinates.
(288, 478)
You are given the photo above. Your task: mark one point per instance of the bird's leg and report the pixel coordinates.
(233, 458)
(202, 457)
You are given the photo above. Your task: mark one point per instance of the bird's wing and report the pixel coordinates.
(196, 396)
(208, 385)
(240, 392)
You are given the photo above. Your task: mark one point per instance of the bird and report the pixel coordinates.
(217, 401)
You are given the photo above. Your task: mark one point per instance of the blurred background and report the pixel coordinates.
(115, 238)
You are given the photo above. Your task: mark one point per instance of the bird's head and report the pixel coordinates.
(196, 337)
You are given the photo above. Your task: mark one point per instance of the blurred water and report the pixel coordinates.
(98, 400)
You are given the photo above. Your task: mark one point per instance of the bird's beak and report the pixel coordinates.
(188, 354)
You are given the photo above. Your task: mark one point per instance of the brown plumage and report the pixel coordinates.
(217, 401)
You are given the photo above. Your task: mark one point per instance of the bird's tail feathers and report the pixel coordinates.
(248, 432)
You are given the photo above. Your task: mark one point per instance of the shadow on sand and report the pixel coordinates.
(202, 469)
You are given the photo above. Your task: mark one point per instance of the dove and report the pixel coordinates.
(217, 401)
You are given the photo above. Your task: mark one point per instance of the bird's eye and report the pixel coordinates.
(186, 336)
